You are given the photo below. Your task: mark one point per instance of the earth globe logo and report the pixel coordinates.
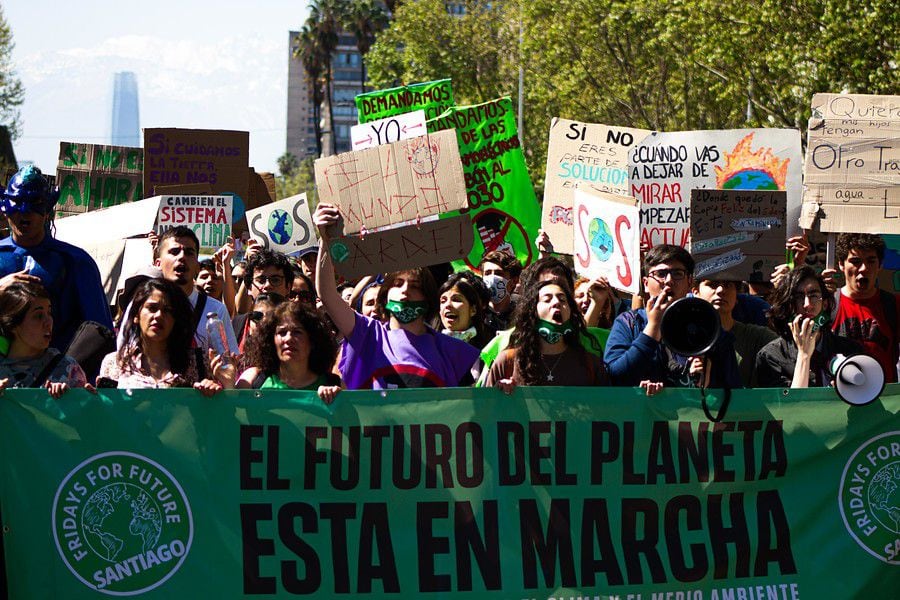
(280, 226)
(601, 239)
(870, 496)
(122, 523)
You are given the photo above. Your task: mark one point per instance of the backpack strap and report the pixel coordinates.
(199, 308)
(41, 377)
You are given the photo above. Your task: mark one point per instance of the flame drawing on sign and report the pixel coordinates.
(748, 170)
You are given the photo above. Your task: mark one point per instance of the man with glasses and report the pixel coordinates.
(267, 272)
(635, 353)
(31, 254)
(865, 313)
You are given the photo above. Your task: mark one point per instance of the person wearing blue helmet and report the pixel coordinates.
(31, 254)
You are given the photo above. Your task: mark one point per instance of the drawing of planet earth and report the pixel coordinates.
(601, 239)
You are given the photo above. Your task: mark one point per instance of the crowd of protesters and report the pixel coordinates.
(289, 323)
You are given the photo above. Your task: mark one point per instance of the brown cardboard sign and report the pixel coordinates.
(737, 235)
(582, 155)
(856, 106)
(394, 183)
(191, 156)
(429, 243)
(93, 176)
(852, 168)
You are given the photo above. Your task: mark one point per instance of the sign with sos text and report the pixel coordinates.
(607, 238)
(285, 226)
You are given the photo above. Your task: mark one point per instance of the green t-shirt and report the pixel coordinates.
(274, 382)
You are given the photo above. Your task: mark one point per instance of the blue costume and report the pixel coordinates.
(68, 272)
(71, 278)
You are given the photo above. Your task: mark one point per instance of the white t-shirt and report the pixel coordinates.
(200, 336)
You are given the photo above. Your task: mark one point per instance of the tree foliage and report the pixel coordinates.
(683, 64)
(12, 94)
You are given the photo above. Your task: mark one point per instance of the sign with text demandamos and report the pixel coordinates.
(505, 212)
(450, 494)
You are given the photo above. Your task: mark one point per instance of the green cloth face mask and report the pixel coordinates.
(551, 332)
(406, 311)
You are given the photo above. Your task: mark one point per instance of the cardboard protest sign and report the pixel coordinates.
(665, 167)
(852, 169)
(179, 156)
(429, 243)
(209, 216)
(608, 238)
(582, 154)
(737, 235)
(855, 107)
(93, 176)
(434, 97)
(501, 200)
(284, 226)
(387, 130)
(395, 183)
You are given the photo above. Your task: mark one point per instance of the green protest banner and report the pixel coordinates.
(94, 176)
(455, 493)
(504, 209)
(434, 97)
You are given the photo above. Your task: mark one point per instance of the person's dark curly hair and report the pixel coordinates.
(477, 295)
(261, 351)
(426, 281)
(179, 342)
(783, 308)
(525, 339)
(859, 241)
(549, 264)
(268, 258)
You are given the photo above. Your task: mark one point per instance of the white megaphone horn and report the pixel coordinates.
(858, 379)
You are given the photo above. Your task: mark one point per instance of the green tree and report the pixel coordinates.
(310, 54)
(12, 94)
(301, 179)
(364, 19)
(287, 164)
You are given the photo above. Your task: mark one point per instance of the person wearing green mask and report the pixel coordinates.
(405, 351)
(545, 348)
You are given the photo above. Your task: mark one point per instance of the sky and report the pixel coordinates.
(213, 64)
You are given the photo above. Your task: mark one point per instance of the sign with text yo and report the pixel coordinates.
(607, 238)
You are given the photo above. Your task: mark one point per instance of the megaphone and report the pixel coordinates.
(690, 326)
(858, 379)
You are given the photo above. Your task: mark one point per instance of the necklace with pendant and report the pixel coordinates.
(555, 364)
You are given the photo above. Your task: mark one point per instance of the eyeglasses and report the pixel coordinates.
(661, 275)
(273, 279)
(812, 296)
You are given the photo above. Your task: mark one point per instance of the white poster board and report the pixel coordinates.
(388, 130)
(607, 238)
(285, 226)
(209, 216)
(666, 166)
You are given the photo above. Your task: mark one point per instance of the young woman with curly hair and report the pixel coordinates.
(545, 348)
(801, 315)
(293, 350)
(157, 338)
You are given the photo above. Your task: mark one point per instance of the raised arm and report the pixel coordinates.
(341, 314)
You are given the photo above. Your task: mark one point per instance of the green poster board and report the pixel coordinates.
(505, 212)
(434, 97)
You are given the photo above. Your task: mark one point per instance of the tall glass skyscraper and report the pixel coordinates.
(126, 127)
